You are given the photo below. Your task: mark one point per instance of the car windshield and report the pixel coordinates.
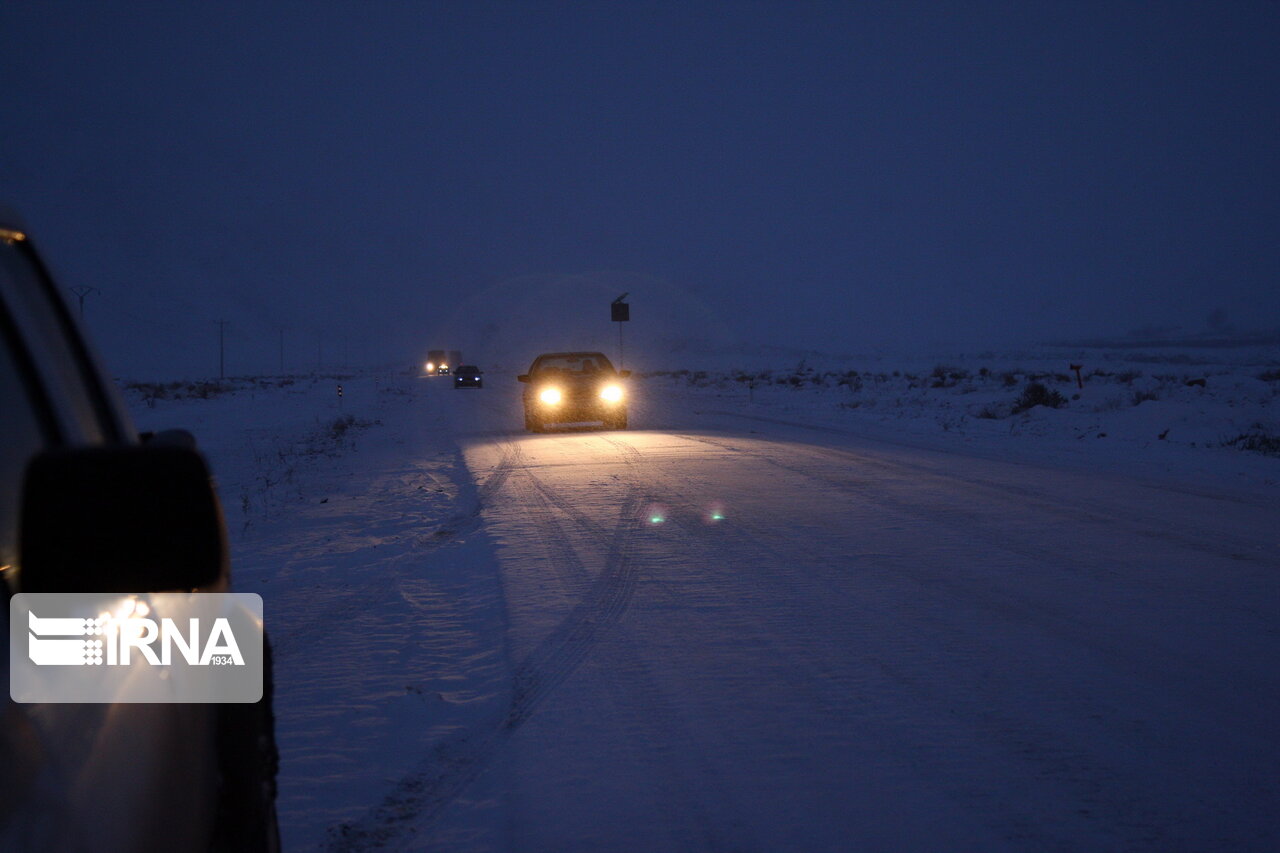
(581, 363)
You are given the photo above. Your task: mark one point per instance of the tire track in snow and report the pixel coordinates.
(384, 584)
(561, 652)
(455, 763)
(683, 811)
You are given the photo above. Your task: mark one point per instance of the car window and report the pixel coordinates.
(22, 435)
(46, 336)
(589, 362)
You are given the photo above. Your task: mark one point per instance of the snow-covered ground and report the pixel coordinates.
(919, 621)
(1157, 411)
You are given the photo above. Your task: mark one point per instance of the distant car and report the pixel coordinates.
(468, 376)
(76, 481)
(574, 387)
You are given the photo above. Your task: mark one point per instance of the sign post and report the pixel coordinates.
(620, 312)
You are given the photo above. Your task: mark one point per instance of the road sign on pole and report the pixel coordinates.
(620, 312)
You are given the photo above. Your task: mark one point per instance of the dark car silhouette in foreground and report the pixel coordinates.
(86, 505)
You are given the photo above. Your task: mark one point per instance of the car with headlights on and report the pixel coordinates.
(574, 387)
(87, 505)
(468, 376)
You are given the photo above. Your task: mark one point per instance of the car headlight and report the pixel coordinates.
(550, 396)
(611, 393)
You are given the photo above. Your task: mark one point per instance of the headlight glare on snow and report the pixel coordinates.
(611, 393)
(550, 396)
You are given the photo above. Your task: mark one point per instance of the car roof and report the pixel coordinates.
(572, 355)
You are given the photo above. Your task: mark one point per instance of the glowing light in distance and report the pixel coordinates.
(611, 393)
(655, 513)
(550, 396)
(430, 366)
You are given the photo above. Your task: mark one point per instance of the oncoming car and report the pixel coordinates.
(89, 506)
(574, 387)
(468, 376)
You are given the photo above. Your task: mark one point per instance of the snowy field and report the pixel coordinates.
(809, 609)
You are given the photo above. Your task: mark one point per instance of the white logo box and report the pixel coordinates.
(148, 647)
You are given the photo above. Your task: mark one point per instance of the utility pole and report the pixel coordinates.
(222, 348)
(81, 291)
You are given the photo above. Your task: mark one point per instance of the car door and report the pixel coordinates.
(80, 776)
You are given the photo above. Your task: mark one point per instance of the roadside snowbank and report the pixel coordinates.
(1215, 420)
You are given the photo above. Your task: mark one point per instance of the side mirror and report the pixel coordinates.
(120, 519)
(523, 377)
(623, 374)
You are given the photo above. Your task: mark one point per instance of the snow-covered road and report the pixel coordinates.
(715, 632)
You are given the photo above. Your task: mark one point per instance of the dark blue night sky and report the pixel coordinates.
(828, 175)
